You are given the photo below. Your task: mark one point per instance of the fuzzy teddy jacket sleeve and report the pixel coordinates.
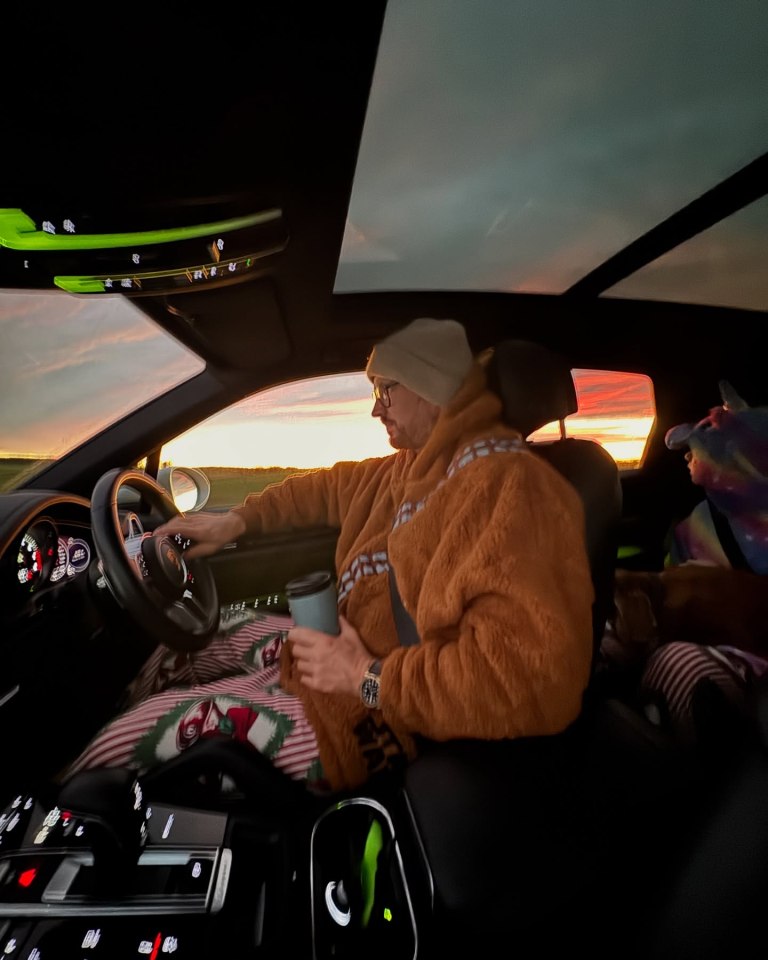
(486, 541)
(323, 496)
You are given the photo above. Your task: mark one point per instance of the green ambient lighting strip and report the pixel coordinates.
(133, 282)
(17, 232)
(369, 867)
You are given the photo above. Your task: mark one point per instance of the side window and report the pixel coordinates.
(616, 409)
(317, 422)
(279, 431)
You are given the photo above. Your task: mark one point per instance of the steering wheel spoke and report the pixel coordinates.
(188, 611)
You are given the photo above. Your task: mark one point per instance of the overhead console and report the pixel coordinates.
(137, 252)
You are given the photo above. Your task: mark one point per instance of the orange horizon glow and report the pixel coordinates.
(319, 422)
(624, 439)
(217, 446)
(351, 434)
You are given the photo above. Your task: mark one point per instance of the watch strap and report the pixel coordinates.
(374, 669)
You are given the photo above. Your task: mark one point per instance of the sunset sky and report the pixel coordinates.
(325, 420)
(71, 365)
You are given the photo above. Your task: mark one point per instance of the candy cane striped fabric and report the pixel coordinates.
(236, 676)
(674, 670)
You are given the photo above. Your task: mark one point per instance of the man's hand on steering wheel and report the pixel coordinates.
(209, 532)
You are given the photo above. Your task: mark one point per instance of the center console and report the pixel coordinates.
(79, 880)
(101, 871)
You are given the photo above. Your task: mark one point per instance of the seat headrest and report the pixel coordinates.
(534, 383)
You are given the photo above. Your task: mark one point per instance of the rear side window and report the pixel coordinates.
(616, 409)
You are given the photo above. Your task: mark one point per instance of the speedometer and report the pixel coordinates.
(36, 555)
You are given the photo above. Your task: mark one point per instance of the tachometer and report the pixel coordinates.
(72, 557)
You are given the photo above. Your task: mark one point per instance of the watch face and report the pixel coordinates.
(369, 691)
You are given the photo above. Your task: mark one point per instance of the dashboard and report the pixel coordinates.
(66, 648)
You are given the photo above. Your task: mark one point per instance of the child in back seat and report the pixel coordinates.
(703, 621)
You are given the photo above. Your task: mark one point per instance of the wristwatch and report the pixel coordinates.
(369, 688)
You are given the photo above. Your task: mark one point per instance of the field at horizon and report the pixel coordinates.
(229, 485)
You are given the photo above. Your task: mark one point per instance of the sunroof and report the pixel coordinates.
(724, 265)
(515, 146)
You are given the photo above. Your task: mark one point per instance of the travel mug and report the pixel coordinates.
(312, 601)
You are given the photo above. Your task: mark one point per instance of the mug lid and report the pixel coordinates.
(308, 584)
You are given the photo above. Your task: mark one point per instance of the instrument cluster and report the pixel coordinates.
(47, 555)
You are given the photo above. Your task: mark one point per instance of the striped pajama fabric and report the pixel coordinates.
(673, 672)
(236, 676)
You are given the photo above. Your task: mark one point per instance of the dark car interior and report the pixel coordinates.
(609, 839)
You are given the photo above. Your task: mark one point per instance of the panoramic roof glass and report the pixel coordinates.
(724, 265)
(516, 146)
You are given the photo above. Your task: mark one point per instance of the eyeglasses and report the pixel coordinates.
(381, 392)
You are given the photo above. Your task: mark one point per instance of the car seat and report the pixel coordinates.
(522, 836)
(536, 388)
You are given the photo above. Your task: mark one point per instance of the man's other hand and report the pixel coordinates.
(327, 663)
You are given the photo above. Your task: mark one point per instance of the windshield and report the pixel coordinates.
(69, 367)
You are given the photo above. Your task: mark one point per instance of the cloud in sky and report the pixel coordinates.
(73, 365)
(338, 396)
(511, 145)
(624, 395)
(69, 366)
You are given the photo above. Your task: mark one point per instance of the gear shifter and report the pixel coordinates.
(109, 802)
(86, 849)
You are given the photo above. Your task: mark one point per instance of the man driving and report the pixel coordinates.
(484, 544)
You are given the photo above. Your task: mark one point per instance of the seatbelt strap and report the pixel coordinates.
(406, 628)
(728, 541)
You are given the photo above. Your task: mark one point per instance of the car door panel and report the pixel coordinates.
(263, 566)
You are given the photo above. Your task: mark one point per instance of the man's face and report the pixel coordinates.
(408, 419)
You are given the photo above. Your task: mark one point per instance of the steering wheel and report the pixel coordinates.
(174, 600)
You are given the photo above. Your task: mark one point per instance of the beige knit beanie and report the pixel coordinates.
(430, 357)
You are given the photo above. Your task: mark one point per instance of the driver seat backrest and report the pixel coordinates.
(521, 832)
(536, 388)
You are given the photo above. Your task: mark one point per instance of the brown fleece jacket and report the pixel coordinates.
(487, 543)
